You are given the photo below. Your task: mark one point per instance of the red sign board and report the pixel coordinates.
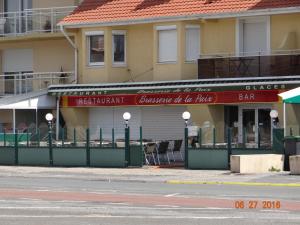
(191, 98)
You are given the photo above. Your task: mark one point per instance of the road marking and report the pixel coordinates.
(234, 183)
(125, 216)
(171, 195)
(170, 206)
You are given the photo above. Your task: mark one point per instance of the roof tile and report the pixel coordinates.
(93, 11)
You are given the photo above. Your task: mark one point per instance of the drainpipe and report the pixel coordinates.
(75, 52)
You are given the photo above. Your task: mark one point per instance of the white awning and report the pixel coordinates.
(38, 102)
(292, 96)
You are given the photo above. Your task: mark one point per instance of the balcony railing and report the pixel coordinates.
(23, 83)
(32, 20)
(284, 64)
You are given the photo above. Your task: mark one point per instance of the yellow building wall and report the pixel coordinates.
(51, 3)
(217, 36)
(208, 117)
(285, 32)
(48, 55)
(138, 55)
(172, 70)
(76, 118)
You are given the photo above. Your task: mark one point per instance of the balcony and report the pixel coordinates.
(280, 64)
(30, 21)
(24, 83)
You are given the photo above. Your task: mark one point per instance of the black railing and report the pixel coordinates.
(249, 66)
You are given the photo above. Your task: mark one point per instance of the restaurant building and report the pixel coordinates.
(224, 61)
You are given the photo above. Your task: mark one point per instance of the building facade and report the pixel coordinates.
(34, 54)
(223, 61)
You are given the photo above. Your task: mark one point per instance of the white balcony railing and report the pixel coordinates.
(32, 20)
(23, 83)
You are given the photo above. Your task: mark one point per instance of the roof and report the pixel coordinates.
(261, 83)
(113, 11)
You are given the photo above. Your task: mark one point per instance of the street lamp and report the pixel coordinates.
(126, 117)
(49, 118)
(186, 116)
(274, 117)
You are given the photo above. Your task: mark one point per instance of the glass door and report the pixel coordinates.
(255, 126)
(265, 131)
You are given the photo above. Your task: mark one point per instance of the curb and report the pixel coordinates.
(234, 183)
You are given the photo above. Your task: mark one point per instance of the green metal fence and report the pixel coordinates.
(216, 156)
(33, 150)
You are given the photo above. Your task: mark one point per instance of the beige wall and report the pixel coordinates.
(212, 115)
(48, 55)
(6, 118)
(218, 36)
(51, 3)
(77, 118)
(285, 32)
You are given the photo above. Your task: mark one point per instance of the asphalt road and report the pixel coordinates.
(77, 201)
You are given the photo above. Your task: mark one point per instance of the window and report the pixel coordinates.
(167, 43)
(119, 47)
(96, 48)
(192, 42)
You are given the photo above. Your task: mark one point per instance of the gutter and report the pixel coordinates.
(260, 12)
(75, 52)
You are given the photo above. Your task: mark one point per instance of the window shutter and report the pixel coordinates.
(192, 43)
(167, 45)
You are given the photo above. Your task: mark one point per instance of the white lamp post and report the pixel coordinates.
(49, 118)
(126, 117)
(186, 116)
(274, 117)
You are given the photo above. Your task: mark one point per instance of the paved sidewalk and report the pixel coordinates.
(154, 174)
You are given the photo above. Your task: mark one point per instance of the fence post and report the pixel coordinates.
(244, 137)
(127, 147)
(16, 148)
(200, 137)
(63, 137)
(27, 138)
(50, 145)
(38, 137)
(4, 137)
(214, 137)
(186, 150)
(88, 156)
(229, 152)
(141, 145)
(101, 138)
(74, 137)
(113, 137)
(258, 138)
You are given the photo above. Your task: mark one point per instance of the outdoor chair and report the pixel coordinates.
(149, 151)
(176, 148)
(163, 150)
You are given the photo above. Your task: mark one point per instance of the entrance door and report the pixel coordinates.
(254, 125)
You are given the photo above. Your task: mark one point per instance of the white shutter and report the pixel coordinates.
(167, 45)
(163, 123)
(255, 38)
(134, 122)
(17, 60)
(101, 118)
(192, 43)
(108, 118)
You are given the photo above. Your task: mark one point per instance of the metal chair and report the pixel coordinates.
(149, 150)
(177, 148)
(163, 150)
